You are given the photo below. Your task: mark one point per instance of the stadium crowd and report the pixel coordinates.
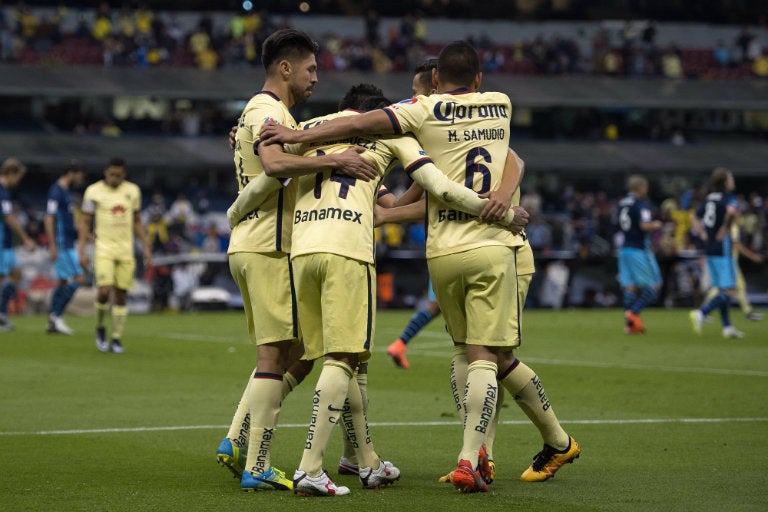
(141, 37)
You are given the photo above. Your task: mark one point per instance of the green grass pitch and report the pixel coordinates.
(666, 421)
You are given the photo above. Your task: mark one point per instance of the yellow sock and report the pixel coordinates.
(119, 315)
(479, 407)
(101, 313)
(327, 404)
(348, 451)
(264, 397)
(355, 425)
(526, 387)
(241, 421)
(459, 377)
(490, 436)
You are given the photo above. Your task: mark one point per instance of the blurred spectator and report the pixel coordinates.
(671, 64)
(743, 43)
(722, 54)
(180, 213)
(372, 24)
(211, 241)
(102, 27)
(186, 279)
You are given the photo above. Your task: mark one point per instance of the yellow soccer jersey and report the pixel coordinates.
(334, 212)
(268, 228)
(113, 210)
(466, 133)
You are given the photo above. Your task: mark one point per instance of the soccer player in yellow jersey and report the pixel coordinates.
(472, 265)
(112, 205)
(259, 252)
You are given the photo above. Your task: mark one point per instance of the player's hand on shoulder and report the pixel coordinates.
(352, 164)
(520, 220)
(272, 133)
(497, 206)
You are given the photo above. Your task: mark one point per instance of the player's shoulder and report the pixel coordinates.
(131, 187)
(267, 104)
(315, 121)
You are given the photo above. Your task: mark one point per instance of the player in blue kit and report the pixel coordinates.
(712, 222)
(639, 273)
(62, 235)
(11, 173)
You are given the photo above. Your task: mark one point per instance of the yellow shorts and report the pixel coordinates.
(477, 293)
(266, 285)
(114, 272)
(336, 302)
(525, 263)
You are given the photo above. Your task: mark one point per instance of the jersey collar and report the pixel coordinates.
(269, 93)
(460, 90)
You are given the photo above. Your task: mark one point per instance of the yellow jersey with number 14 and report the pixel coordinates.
(267, 228)
(334, 212)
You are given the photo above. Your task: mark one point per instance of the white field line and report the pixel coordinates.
(638, 421)
(443, 349)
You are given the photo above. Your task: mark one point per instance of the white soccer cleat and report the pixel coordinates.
(697, 319)
(319, 486)
(732, 332)
(57, 324)
(102, 344)
(5, 324)
(385, 474)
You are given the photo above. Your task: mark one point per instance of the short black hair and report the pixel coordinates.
(458, 63)
(117, 161)
(424, 72)
(373, 103)
(74, 165)
(357, 94)
(288, 44)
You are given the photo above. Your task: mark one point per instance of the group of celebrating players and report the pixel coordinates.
(302, 254)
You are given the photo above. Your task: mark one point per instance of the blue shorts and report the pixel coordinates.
(7, 261)
(67, 264)
(431, 293)
(638, 267)
(722, 272)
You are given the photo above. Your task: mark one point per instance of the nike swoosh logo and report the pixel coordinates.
(333, 409)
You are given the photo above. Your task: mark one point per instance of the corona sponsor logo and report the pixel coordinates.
(452, 111)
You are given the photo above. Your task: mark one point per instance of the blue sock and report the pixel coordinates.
(56, 300)
(713, 304)
(8, 292)
(61, 298)
(647, 297)
(725, 311)
(421, 318)
(629, 299)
